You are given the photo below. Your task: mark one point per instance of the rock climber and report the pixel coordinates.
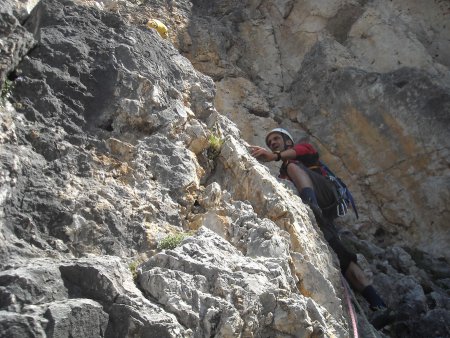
(300, 164)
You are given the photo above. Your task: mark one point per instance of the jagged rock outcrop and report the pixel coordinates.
(217, 291)
(16, 41)
(93, 297)
(110, 141)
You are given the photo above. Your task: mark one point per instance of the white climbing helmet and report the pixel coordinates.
(281, 131)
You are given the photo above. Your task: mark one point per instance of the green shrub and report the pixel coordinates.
(172, 241)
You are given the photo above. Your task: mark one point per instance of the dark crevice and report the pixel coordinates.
(401, 84)
(107, 125)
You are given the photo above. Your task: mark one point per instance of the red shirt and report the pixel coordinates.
(306, 155)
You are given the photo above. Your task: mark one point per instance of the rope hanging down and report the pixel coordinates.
(350, 308)
(350, 295)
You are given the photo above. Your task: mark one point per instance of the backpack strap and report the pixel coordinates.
(342, 191)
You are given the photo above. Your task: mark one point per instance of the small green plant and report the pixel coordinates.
(215, 145)
(215, 142)
(7, 87)
(133, 268)
(134, 265)
(172, 241)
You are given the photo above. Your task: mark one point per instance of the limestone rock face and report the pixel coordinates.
(373, 133)
(117, 143)
(216, 291)
(367, 81)
(391, 35)
(91, 297)
(96, 165)
(16, 41)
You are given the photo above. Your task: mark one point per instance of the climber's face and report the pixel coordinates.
(275, 142)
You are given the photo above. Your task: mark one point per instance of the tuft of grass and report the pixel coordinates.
(134, 265)
(7, 87)
(215, 145)
(172, 241)
(215, 142)
(133, 268)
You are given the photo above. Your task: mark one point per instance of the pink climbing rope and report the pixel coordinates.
(350, 308)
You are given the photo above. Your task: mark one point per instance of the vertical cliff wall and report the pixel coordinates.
(116, 143)
(106, 150)
(367, 81)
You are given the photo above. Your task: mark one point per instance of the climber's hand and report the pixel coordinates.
(262, 154)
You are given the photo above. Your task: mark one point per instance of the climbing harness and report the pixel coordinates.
(345, 198)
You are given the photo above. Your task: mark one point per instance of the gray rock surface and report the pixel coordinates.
(76, 318)
(15, 42)
(410, 155)
(112, 141)
(216, 291)
(87, 297)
